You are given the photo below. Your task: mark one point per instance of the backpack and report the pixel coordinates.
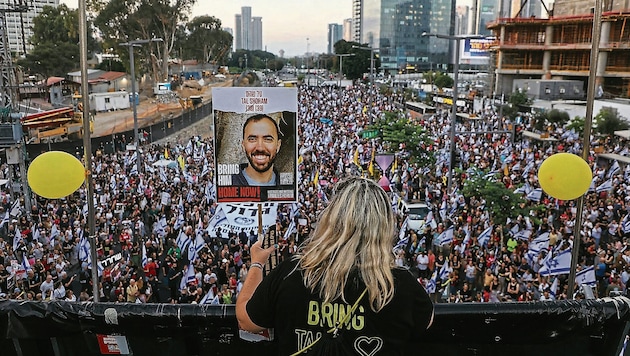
(332, 342)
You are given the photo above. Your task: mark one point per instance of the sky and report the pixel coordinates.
(286, 23)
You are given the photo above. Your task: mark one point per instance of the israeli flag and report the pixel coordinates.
(145, 258)
(613, 170)
(604, 187)
(446, 237)
(484, 237)
(445, 270)
(403, 229)
(188, 277)
(586, 276)
(625, 224)
(560, 264)
(183, 241)
(535, 195)
(432, 284)
(209, 298)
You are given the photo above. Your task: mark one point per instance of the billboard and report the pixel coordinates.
(255, 144)
(476, 51)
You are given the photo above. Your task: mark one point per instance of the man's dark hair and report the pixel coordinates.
(259, 117)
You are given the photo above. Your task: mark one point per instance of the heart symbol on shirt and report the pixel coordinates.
(368, 346)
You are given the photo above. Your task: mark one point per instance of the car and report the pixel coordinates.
(417, 215)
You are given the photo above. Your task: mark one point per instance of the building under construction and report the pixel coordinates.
(559, 47)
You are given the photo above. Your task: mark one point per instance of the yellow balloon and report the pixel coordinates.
(565, 176)
(55, 174)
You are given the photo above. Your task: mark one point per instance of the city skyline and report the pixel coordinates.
(286, 23)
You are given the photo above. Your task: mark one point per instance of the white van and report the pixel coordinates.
(417, 214)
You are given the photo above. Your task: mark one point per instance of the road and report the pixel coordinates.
(149, 112)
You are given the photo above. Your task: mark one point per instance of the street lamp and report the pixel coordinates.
(341, 64)
(131, 45)
(455, 97)
(372, 50)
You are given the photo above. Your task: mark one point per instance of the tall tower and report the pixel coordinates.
(238, 32)
(256, 33)
(357, 18)
(246, 27)
(335, 32)
(20, 24)
(347, 30)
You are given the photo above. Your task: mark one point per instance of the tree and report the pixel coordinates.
(55, 42)
(397, 131)
(443, 80)
(111, 65)
(353, 66)
(128, 20)
(577, 125)
(552, 117)
(204, 40)
(501, 202)
(607, 121)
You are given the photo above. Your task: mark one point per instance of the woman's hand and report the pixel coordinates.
(260, 254)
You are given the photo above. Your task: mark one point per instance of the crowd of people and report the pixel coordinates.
(144, 216)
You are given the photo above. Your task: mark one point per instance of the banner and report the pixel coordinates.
(243, 217)
(255, 137)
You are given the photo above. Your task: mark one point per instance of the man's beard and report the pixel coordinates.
(266, 167)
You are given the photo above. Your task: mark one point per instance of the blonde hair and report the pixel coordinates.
(355, 232)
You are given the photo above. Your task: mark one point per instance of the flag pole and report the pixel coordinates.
(586, 142)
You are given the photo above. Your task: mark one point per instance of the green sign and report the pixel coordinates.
(369, 133)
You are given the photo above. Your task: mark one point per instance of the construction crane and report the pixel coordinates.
(8, 80)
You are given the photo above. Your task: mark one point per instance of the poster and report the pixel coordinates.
(255, 138)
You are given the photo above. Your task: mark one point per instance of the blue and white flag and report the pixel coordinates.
(625, 224)
(160, 227)
(604, 187)
(25, 263)
(84, 249)
(290, 230)
(443, 210)
(189, 277)
(446, 237)
(431, 220)
(613, 170)
(145, 258)
(586, 276)
(445, 270)
(183, 241)
(210, 298)
(403, 229)
(218, 219)
(523, 235)
(432, 284)
(558, 264)
(17, 238)
(484, 237)
(535, 195)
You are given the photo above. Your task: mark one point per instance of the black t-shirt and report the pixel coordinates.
(282, 302)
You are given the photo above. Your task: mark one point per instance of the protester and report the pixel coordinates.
(347, 262)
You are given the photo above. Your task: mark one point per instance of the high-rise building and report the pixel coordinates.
(395, 28)
(238, 34)
(347, 30)
(461, 20)
(335, 34)
(488, 12)
(20, 26)
(246, 26)
(247, 30)
(357, 16)
(256, 33)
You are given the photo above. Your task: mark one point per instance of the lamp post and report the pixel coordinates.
(341, 65)
(455, 97)
(131, 45)
(372, 50)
